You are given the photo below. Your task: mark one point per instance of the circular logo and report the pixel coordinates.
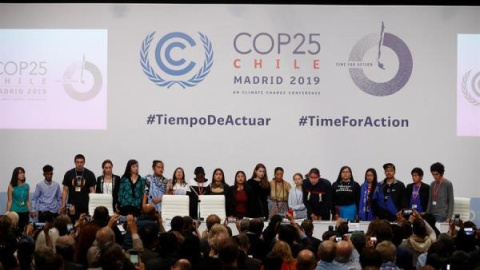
(405, 62)
(475, 85)
(173, 65)
(72, 85)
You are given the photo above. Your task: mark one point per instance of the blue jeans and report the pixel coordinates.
(440, 219)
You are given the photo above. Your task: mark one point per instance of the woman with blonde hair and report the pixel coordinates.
(282, 250)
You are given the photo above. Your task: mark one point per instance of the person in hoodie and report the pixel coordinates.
(389, 198)
(198, 187)
(365, 211)
(345, 195)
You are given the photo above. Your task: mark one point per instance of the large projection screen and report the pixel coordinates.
(230, 86)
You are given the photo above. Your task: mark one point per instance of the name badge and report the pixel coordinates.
(414, 206)
(320, 197)
(434, 202)
(78, 189)
(386, 198)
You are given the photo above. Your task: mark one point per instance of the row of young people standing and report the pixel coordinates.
(313, 197)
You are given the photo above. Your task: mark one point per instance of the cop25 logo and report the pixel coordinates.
(170, 52)
(380, 42)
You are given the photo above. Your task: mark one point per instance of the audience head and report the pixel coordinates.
(149, 210)
(387, 250)
(327, 251)
(243, 242)
(228, 252)
(177, 223)
(182, 264)
(282, 250)
(216, 235)
(112, 257)
(370, 257)
(244, 225)
(212, 220)
(46, 258)
(306, 260)
(307, 226)
(101, 214)
(61, 223)
(344, 251)
(287, 233)
(418, 228)
(65, 246)
(359, 241)
(104, 235)
(256, 226)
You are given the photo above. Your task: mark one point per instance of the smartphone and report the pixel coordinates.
(407, 211)
(456, 220)
(468, 231)
(123, 219)
(373, 239)
(134, 257)
(338, 239)
(232, 220)
(38, 225)
(70, 228)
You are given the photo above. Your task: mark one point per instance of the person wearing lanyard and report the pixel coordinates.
(389, 198)
(109, 183)
(198, 187)
(77, 184)
(19, 198)
(295, 198)
(440, 202)
(278, 200)
(417, 192)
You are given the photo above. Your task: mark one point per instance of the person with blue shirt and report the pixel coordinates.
(417, 192)
(365, 211)
(47, 198)
(19, 198)
(156, 185)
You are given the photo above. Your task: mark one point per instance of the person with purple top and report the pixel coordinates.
(48, 196)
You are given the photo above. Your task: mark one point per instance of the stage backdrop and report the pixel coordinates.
(229, 86)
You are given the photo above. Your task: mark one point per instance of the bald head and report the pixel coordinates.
(327, 251)
(104, 235)
(344, 251)
(182, 264)
(148, 210)
(306, 260)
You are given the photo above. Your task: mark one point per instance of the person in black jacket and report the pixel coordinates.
(109, 183)
(417, 192)
(345, 195)
(392, 195)
(261, 189)
(317, 196)
(240, 198)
